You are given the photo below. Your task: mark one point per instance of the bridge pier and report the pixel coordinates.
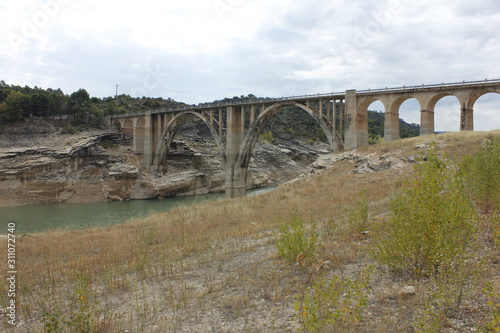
(357, 122)
(148, 139)
(466, 119)
(391, 128)
(426, 122)
(235, 173)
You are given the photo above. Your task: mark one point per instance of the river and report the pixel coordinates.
(38, 218)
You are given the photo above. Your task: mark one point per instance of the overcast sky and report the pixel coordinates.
(200, 50)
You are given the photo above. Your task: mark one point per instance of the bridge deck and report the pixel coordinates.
(331, 96)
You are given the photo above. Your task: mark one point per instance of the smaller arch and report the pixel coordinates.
(431, 104)
(474, 97)
(116, 125)
(446, 112)
(486, 110)
(128, 127)
(375, 105)
(365, 103)
(171, 129)
(396, 104)
(139, 132)
(411, 112)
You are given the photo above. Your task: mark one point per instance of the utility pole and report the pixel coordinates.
(116, 95)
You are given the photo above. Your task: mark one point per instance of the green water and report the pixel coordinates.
(37, 218)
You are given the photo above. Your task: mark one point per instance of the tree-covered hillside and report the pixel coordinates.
(18, 103)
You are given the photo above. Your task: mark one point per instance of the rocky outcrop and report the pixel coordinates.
(363, 163)
(87, 172)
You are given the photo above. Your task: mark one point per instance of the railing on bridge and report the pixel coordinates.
(429, 86)
(336, 95)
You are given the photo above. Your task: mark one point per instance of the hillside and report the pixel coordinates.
(215, 267)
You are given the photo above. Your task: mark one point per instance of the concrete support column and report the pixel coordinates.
(135, 139)
(148, 139)
(159, 129)
(321, 110)
(252, 114)
(426, 122)
(391, 128)
(342, 117)
(235, 175)
(329, 110)
(220, 123)
(357, 130)
(466, 119)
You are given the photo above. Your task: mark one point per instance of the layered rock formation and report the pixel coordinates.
(91, 171)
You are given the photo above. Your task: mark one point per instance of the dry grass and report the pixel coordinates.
(213, 267)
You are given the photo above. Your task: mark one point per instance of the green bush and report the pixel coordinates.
(69, 130)
(81, 315)
(431, 222)
(333, 303)
(296, 242)
(267, 137)
(481, 172)
(358, 216)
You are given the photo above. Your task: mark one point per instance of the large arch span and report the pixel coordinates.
(171, 129)
(256, 128)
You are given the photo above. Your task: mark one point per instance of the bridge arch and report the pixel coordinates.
(116, 125)
(485, 106)
(430, 104)
(128, 127)
(171, 129)
(410, 110)
(474, 97)
(256, 128)
(445, 109)
(139, 134)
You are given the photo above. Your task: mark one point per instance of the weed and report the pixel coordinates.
(446, 292)
(333, 302)
(69, 130)
(296, 242)
(482, 176)
(431, 221)
(82, 316)
(494, 304)
(358, 217)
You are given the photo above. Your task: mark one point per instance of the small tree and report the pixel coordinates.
(481, 172)
(79, 105)
(12, 108)
(431, 222)
(296, 242)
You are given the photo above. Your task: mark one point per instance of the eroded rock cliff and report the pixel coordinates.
(102, 168)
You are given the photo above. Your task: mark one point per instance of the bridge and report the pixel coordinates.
(343, 117)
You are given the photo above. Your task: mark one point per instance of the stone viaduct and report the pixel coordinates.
(343, 117)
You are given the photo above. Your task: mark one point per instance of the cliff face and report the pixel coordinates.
(96, 168)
